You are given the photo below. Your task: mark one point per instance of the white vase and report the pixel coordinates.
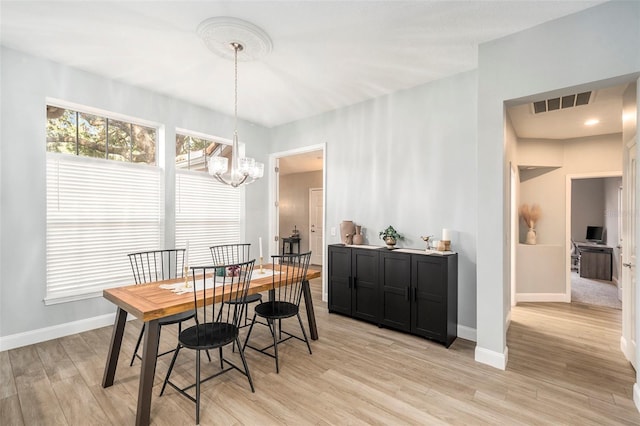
(531, 236)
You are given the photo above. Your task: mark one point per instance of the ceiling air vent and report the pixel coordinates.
(567, 101)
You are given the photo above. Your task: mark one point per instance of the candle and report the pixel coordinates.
(260, 244)
(446, 234)
(186, 254)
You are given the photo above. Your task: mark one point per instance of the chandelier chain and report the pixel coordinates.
(236, 47)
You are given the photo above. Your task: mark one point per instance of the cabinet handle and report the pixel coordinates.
(407, 292)
(354, 282)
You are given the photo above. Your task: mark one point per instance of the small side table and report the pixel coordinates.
(290, 241)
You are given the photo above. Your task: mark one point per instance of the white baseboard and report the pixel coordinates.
(636, 395)
(48, 333)
(467, 333)
(624, 348)
(543, 297)
(494, 359)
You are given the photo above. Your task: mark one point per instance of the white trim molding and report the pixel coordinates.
(636, 395)
(492, 358)
(55, 331)
(467, 333)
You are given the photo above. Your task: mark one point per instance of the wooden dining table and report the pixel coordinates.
(149, 303)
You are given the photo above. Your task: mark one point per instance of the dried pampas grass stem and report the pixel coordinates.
(530, 215)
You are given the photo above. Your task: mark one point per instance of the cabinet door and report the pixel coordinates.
(365, 296)
(429, 288)
(340, 280)
(395, 286)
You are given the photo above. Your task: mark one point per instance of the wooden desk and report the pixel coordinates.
(595, 261)
(149, 303)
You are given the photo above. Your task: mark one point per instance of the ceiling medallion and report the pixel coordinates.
(219, 32)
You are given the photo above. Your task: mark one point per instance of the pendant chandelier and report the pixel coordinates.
(244, 170)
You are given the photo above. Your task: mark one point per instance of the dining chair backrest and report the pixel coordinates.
(220, 283)
(290, 270)
(228, 254)
(157, 265)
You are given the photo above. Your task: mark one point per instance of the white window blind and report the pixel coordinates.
(97, 212)
(207, 214)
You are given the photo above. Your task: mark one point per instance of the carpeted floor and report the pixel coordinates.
(594, 292)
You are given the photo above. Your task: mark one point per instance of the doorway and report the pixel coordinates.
(594, 231)
(552, 138)
(298, 202)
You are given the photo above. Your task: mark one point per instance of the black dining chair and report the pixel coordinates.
(228, 254)
(158, 265)
(217, 321)
(290, 270)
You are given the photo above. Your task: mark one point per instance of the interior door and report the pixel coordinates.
(629, 253)
(315, 225)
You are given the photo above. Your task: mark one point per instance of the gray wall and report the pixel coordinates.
(294, 204)
(407, 160)
(26, 82)
(587, 205)
(597, 45)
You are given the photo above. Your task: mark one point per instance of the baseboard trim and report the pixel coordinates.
(48, 333)
(636, 395)
(494, 359)
(542, 297)
(467, 333)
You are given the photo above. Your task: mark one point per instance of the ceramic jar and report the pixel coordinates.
(347, 231)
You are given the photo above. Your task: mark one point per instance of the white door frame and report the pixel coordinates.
(313, 256)
(567, 226)
(273, 217)
(628, 339)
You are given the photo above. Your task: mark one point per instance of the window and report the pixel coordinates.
(192, 152)
(90, 135)
(100, 208)
(207, 212)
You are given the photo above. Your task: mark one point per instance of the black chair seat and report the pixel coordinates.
(284, 302)
(252, 298)
(276, 310)
(174, 319)
(208, 336)
(217, 324)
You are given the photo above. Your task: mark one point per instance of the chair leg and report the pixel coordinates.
(198, 387)
(246, 339)
(246, 366)
(274, 333)
(173, 361)
(135, 351)
(304, 333)
(221, 366)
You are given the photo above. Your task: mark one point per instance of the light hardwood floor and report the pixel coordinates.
(565, 367)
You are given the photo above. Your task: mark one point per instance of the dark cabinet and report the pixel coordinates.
(353, 282)
(340, 280)
(395, 286)
(364, 295)
(434, 282)
(404, 290)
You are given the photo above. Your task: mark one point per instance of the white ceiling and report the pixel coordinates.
(326, 54)
(605, 106)
(300, 163)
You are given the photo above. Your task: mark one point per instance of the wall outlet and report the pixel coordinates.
(333, 231)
